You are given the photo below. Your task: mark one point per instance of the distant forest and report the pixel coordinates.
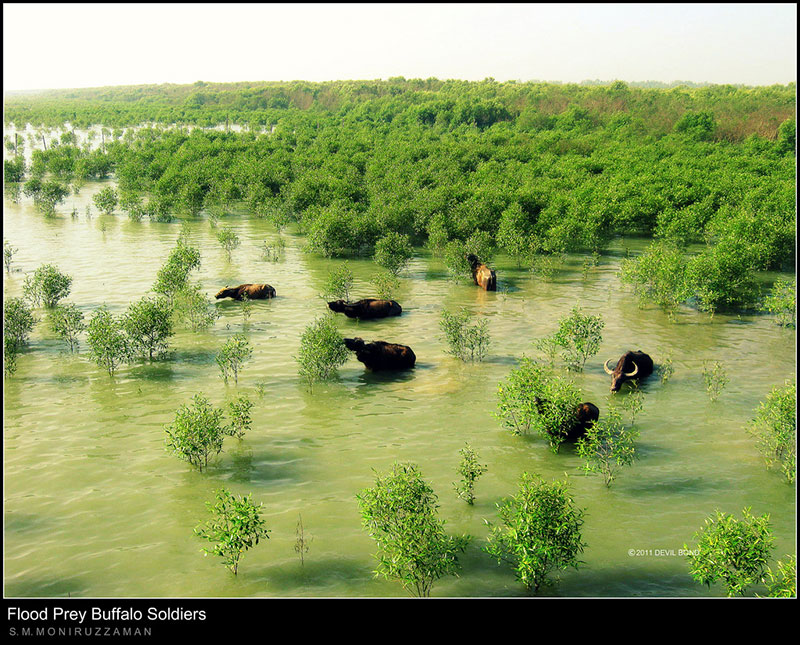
(527, 169)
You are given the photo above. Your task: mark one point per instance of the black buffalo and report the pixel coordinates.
(631, 365)
(366, 309)
(379, 355)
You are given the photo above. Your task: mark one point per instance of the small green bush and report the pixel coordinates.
(47, 286)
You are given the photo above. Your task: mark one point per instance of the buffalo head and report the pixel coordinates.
(630, 365)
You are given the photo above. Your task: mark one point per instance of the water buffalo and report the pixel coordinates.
(379, 355)
(481, 274)
(631, 365)
(366, 309)
(253, 292)
(585, 416)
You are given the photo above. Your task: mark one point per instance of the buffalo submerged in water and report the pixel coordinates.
(379, 355)
(481, 274)
(631, 365)
(366, 309)
(252, 291)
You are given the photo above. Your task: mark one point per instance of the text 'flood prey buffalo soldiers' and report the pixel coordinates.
(379, 355)
(253, 292)
(631, 365)
(366, 309)
(481, 274)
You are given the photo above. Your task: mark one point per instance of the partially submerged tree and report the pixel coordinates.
(735, 552)
(539, 531)
(400, 514)
(235, 526)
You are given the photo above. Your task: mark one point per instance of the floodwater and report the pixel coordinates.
(95, 506)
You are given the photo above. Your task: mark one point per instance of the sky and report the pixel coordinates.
(73, 45)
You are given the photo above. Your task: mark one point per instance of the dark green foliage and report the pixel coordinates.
(235, 526)
(539, 531)
(239, 411)
(735, 552)
(400, 513)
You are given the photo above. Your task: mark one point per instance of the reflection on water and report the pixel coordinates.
(90, 488)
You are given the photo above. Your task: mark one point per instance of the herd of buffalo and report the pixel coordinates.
(379, 355)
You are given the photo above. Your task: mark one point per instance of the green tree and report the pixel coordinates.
(235, 526)
(385, 285)
(109, 347)
(66, 321)
(400, 513)
(783, 584)
(192, 308)
(539, 531)
(322, 351)
(339, 284)
(470, 470)
(733, 551)
(775, 429)
(8, 254)
(47, 286)
(232, 355)
(197, 432)
(106, 200)
(465, 341)
(148, 324)
(392, 252)
(658, 276)
(782, 302)
(18, 322)
(608, 446)
(715, 377)
(228, 239)
(533, 397)
(239, 412)
(579, 336)
(173, 275)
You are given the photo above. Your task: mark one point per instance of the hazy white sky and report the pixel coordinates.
(90, 45)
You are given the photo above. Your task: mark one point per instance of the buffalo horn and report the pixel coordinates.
(635, 370)
(605, 366)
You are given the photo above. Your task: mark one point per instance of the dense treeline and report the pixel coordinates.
(738, 111)
(529, 169)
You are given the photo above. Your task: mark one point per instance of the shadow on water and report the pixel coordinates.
(40, 587)
(314, 573)
(26, 522)
(242, 465)
(673, 485)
